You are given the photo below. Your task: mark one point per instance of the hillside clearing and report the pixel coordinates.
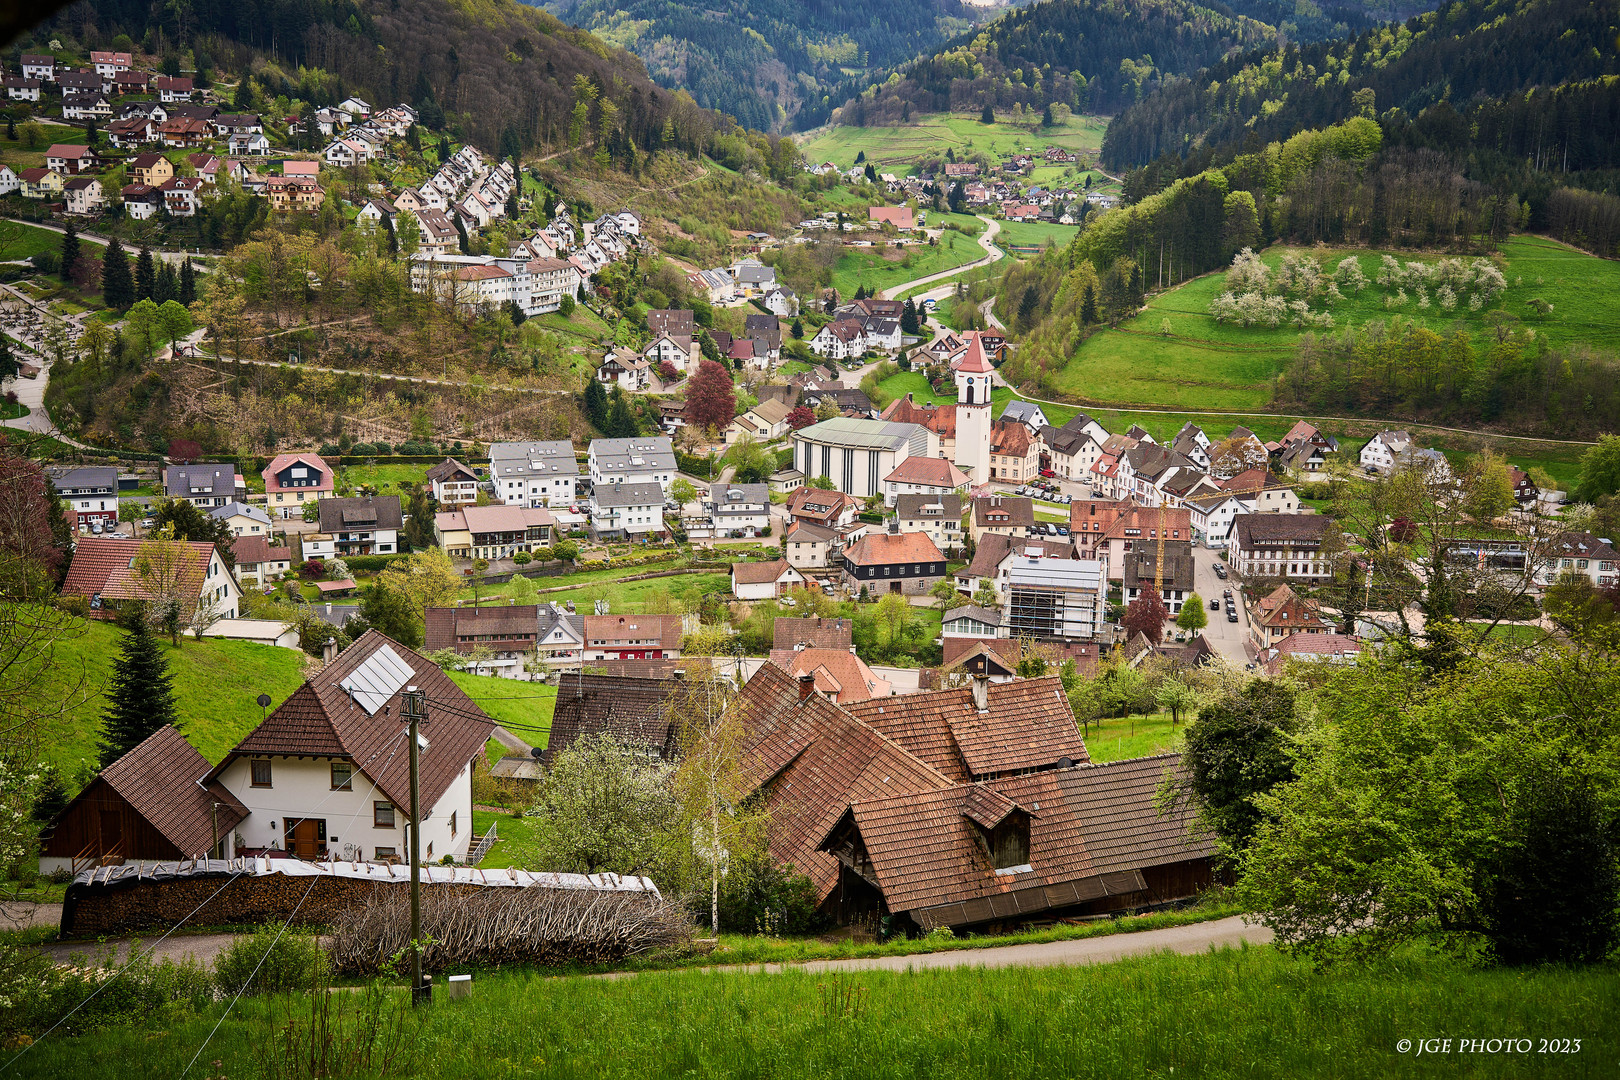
(898, 149)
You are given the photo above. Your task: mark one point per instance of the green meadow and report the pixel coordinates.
(898, 149)
(1237, 1013)
(1202, 363)
(883, 269)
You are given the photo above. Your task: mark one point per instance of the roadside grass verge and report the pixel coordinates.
(1248, 1012)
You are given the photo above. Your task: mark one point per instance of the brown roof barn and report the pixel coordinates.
(630, 709)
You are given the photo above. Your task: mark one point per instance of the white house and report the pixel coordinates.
(454, 484)
(1580, 553)
(1383, 449)
(765, 422)
(763, 581)
(242, 519)
(841, 339)
(739, 510)
(324, 775)
(1027, 413)
(367, 525)
(91, 493)
(534, 473)
(8, 181)
(628, 511)
(1212, 516)
(640, 460)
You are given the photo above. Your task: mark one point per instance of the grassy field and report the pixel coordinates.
(31, 241)
(1226, 366)
(1121, 738)
(898, 149)
(385, 478)
(653, 596)
(885, 269)
(514, 841)
(215, 684)
(1247, 1012)
(1033, 234)
(523, 708)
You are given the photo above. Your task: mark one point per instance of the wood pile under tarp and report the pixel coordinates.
(507, 926)
(137, 897)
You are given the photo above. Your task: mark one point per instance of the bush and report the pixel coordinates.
(312, 568)
(264, 964)
(371, 563)
(145, 992)
(74, 605)
(760, 896)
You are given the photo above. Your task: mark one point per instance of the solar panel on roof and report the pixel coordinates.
(377, 679)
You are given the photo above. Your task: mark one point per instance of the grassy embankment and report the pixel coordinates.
(1202, 363)
(216, 683)
(1248, 1012)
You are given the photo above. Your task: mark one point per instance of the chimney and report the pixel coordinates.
(981, 693)
(807, 686)
(329, 607)
(329, 651)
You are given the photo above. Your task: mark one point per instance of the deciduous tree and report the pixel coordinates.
(1146, 615)
(711, 397)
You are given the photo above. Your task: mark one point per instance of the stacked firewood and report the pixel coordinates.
(493, 926)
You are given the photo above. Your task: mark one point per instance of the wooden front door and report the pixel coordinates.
(306, 838)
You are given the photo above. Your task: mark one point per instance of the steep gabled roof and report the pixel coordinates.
(633, 710)
(885, 549)
(334, 715)
(789, 633)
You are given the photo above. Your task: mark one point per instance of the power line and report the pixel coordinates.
(249, 981)
(131, 963)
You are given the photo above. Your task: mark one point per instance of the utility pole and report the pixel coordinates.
(414, 707)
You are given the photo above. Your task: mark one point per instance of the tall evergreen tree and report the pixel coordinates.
(9, 367)
(145, 277)
(11, 128)
(1088, 306)
(444, 149)
(70, 250)
(988, 116)
(117, 287)
(166, 286)
(312, 130)
(621, 422)
(188, 284)
(140, 695)
(393, 236)
(596, 405)
(908, 317)
(461, 233)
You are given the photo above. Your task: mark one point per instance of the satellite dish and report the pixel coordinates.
(264, 701)
(535, 751)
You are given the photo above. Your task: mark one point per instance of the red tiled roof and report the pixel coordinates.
(758, 573)
(1319, 644)
(813, 633)
(663, 630)
(838, 672)
(105, 566)
(634, 710)
(253, 550)
(1177, 523)
(887, 549)
(931, 471)
(282, 461)
(940, 419)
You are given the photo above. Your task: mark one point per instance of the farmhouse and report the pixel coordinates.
(108, 571)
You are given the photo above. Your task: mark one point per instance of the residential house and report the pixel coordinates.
(764, 580)
(141, 201)
(323, 762)
(842, 339)
(1212, 516)
(1002, 515)
(623, 368)
(1027, 413)
(1238, 452)
(1089, 519)
(972, 621)
(41, 183)
(182, 195)
(39, 66)
(739, 510)
(1014, 456)
(109, 64)
(1072, 450)
(90, 105)
(628, 511)
(939, 517)
(810, 547)
(636, 711)
(132, 132)
(205, 485)
(257, 559)
(454, 484)
(933, 477)
(992, 561)
(901, 218)
(836, 674)
(679, 351)
(1263, 493)
(248, 144)
(172, 89)
(632, 637)
(292, 194)
(355, 107)
(939, 419)
(9, 181)
(83, 195)
(1056, 599)
(1283, 613)
(765, 422)
(542, 473)
(781, 302)
(439, 235)
(242, 519)
(107, 571)
(91, 494)
(1175, 582)
(506, 635)
(149, 805)
(132, 82)
(362, 525)
(1288, 546)
(789, 633)
(893, 563)
(67, 159)
(151, 169)
(1310, 648)
(73, 83)
(765, 328)
(493, 532)
(753, 278)
(822, 508)
(561, 637)
(291, 480)
(1583, 554)
(639, 460)
(1139, 528)
(183, 132)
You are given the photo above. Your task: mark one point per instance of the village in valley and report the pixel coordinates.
(652, 556)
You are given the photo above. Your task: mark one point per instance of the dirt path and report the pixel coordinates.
(202, 947)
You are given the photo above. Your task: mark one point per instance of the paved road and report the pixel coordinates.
(176, 257)
(992, 254)
(1230, 639)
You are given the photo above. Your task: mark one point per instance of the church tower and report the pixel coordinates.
(973, 414)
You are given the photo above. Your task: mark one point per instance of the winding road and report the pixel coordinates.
(991, 254)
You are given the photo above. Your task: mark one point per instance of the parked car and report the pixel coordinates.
(1063, 530)
(1220, 571)
(1048, 472)
(1214, 603)
(1231, 616)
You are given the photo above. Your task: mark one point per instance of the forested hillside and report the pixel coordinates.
(1473, 55)
(486, 67)
(1091, 55)
(769, 63)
